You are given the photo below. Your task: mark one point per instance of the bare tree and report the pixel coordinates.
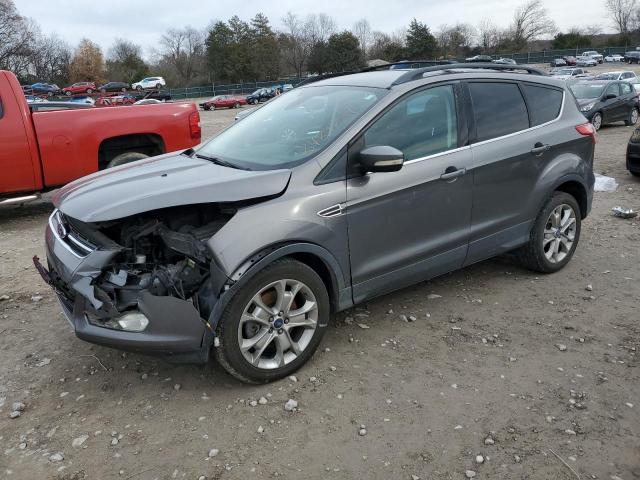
(182, 51)
(488, 36)
(301, 36)
(17, 38)
(319, 27)
(530, 22)
(362, 30)
(622, 14)
(455, 40)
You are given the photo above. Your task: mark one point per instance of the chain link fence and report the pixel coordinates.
(544, 56)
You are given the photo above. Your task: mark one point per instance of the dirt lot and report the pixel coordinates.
(483, 360)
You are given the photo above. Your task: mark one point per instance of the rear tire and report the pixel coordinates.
(547, 235)
(279, 347)
(126, 157)
(632, 119)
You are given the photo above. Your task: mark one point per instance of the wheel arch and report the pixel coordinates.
(578, 191)
(314, 256)
(150, 144)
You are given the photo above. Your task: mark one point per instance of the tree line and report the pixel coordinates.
(236, 50)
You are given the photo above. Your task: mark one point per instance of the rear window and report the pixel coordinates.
(499, 109)
(544, 103)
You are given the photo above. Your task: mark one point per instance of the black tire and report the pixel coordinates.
(158, 86)
(67, 93)
(596, 124)
(228, 352)
(123, 89)
(206, 107)
(103, 90)
(126, 157)
(237, 105)
(629, 121)
(89, 90)
(532, 254)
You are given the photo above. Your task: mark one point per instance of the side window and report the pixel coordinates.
(499, 109)
(422, 124)
(544, 103)
(626, 88)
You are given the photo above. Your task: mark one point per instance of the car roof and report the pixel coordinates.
(390, 78)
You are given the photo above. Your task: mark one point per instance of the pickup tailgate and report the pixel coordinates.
(70, 140)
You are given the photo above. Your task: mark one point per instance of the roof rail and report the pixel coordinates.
(386, 66)
(418, 73)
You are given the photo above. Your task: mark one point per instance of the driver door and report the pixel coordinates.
(413, 224)
(613, 108)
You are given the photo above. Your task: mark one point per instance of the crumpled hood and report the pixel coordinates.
(164, 181)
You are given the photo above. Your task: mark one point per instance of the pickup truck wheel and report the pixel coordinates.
(126, 157)
(554, 236)
(272, 326)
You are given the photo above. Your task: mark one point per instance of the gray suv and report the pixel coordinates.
(332, 194)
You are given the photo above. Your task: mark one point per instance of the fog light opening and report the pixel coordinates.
(133, 322)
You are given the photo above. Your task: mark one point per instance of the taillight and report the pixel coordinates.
(587, 130)
(194, 126)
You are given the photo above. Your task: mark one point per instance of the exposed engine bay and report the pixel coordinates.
(162, 252)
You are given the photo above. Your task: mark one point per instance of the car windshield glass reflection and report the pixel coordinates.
(291, 128)
(584, 91)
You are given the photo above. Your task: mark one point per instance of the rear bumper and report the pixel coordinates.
(175, 329)
(633, 157)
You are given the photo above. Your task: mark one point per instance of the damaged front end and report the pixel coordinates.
(145, 283)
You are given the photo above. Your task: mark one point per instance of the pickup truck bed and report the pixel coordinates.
(44, 150)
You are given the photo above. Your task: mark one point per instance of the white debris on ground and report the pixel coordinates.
(605, 184)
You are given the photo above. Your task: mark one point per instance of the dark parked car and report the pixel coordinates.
(479, 58)
(27, 90)
(570, 60)
(114, 87)
(632, 57)
(604, 101)
(162, 95)
(323, 198)
(261, 95)
(633, 153)
(45, 88)
(558, 62)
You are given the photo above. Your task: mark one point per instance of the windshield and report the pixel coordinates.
(563, 71)
(291, 128)
(608, 76)
(583, 91)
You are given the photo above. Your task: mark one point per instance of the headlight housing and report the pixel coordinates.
(587, 107)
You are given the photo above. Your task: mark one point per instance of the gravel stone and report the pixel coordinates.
(78, 441)
(56, 457)
(469, 474)
(291, 405)
(213, 452)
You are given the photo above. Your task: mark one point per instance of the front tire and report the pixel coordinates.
(274, 324)
(596, 121)
(555, 235)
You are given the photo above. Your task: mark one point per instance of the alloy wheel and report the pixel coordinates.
(634, 116)
(277, 324)
(559, 233)
(597, 121)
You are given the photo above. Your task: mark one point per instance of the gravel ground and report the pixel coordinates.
(503, 374)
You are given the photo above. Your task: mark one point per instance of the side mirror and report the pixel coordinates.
(381, 158)
(610, 96)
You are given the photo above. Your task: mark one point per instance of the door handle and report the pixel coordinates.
(540, 148)
(451, 173)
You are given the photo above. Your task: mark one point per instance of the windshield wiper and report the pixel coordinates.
(220, 162)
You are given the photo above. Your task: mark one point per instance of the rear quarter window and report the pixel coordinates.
(544, 103)
(499, 109)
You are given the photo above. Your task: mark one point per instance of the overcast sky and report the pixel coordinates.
(143, 21)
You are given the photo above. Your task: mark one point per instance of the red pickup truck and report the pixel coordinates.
(43, 150)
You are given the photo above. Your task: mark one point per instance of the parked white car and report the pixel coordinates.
(586, 61)
(593, 54)
(617, 75)
(148, 83)
(614, 58)
(564, 73)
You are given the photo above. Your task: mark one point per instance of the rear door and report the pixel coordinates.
(613, 109)
(511, 146)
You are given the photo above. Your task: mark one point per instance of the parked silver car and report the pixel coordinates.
(335, 193)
